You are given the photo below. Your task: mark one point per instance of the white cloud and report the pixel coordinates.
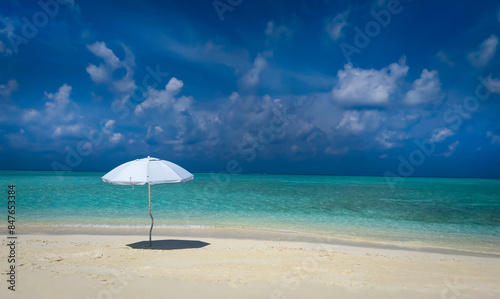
(30, 115)
(108, 130)
(138, 109)
(56, 120)
(385, 138)
(426, 89)
(100, 50)
(234, 96)
(115, 138)
(59, 99)
(451, 149)
(98, 74)
(72, 130)
(182, 104)
(358, 122)
(275, 33)
(485, 53)
(7, 89)
(174, 85)
(495, 139)
(165, 99)
(55, 106)
(410, 117)
(440, 134)
(336, 24)
(252, 77)
(108, 126)
(104, 72)
(368, 87)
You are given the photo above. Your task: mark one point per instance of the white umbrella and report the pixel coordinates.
(149, 171)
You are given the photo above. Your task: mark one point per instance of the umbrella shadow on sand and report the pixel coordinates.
(168, 244)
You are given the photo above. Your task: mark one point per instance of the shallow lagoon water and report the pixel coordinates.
(460, 214)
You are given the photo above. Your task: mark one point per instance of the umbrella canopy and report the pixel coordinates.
(149, 171)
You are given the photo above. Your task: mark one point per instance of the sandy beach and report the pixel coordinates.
(105, 264)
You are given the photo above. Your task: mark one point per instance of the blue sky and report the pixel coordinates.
(396, 88)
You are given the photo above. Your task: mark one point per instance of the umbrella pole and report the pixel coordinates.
(152, 221)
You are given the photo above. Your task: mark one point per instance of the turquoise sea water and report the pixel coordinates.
(462, 214)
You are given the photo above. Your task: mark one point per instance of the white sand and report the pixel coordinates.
(102, 266)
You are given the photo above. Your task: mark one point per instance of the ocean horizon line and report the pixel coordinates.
(269, 173)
